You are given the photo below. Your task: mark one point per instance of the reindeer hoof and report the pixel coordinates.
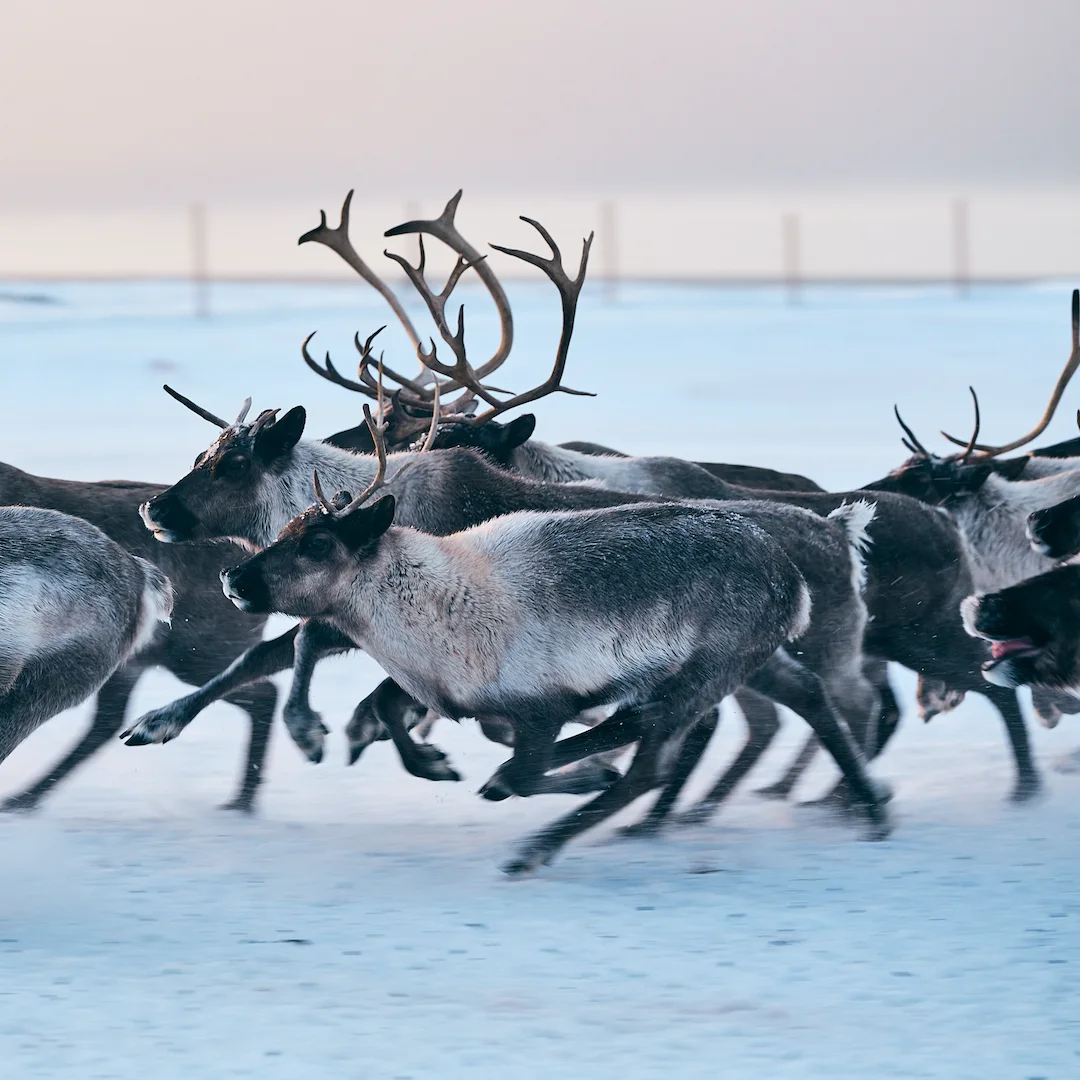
(880, 824)
(158, 726)
(307, 730)
(361, 733)
(773, 791)
(1027, 788)
(19, 804)
(646, 828)
(430, 763)
(496, 789)
(696, 815)
(525, 862)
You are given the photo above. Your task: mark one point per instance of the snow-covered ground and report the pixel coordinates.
(359, 926)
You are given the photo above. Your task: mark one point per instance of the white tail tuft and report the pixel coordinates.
(155, 605)
(801, 623)
(855, 518)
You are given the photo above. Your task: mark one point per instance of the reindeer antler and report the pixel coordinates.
(198, 410)
(1055, 398)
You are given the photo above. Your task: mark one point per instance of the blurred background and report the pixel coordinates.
(704, 140)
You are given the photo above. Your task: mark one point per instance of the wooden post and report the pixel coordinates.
(792, 256)
(609, 250)
(961, 243)
(200, 273)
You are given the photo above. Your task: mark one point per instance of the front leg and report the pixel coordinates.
(257, 663)
(314, 641)
(518, 777)
(395, 709)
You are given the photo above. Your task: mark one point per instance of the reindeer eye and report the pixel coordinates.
(316, 545)
(234, 467)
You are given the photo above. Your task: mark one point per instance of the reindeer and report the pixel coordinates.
(74, 606)
(922, 550)
(1033, 628)
(205, 633)
(992, 500)
(655, 611)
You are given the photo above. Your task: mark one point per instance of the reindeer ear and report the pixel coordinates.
(279, 438)
(518, 431)
(972, 477)
(368, 523)
(382, 515)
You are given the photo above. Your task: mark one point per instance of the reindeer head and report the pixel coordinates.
(495, 441)
(226, 492)
(313, 561)
(940, 480)
(1033, 629)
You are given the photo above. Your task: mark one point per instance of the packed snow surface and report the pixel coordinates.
(359, 925)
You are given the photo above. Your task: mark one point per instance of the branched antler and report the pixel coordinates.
(337, 240)
(1055, 398)
(443, 228)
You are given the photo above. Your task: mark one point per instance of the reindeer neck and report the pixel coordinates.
(339, 470)
(429, 609)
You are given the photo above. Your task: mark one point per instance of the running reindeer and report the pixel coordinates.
(74, 606)
(533, 618)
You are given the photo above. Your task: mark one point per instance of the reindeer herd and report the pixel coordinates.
(532, 586)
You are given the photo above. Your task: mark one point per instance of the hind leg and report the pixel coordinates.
(640, 778)
(108, 719)
(784, 786)
(763, 723)
(47, 685)
(693, 748)
(258, 702)
(790, 683)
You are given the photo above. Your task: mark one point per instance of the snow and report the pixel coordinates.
(359, 926)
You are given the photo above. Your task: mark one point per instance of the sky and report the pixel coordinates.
(124, 102)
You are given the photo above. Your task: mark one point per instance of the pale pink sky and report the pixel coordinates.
(136, 101)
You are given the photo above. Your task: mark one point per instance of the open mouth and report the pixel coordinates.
(1004, 649)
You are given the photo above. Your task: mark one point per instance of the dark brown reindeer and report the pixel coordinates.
(1034, 630)
(993, 499)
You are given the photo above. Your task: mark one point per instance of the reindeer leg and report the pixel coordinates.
(108, 718)
(259, 662)
(258, 702)
(314, 641)
(394, 708)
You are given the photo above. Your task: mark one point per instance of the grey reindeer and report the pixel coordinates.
(74, 606)
(655, 611)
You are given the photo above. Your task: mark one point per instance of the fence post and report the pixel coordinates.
(609, 250)
(961, 243)
(791, 255)
(200, 273)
